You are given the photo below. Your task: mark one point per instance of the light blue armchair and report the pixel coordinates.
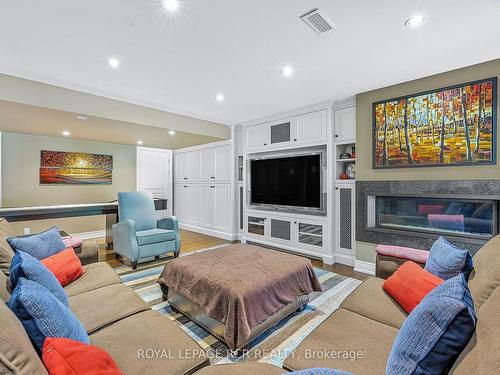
(138, 234)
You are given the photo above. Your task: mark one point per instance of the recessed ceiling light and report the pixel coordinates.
(171, 132)
(170, 5)
(113, 62)
(66, 133)
(287, 70)
(83, 118)
(140, 142)
(414, 21)
(220, 97)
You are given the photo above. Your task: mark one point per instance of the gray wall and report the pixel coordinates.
(20, 178)
(364, 171)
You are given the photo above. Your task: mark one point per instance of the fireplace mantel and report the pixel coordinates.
(369, 229)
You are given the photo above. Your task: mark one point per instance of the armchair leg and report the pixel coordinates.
(157, 257)
(134, 265)
(176, 254)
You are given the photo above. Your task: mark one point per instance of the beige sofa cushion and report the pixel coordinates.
(242, 369)
(97, 275)
(131, 340)
(371, 301)
(345, 333)
(482, 354)
(17, 355)
(98, 308)
(486, 275)
(4, 287)
(6, 252)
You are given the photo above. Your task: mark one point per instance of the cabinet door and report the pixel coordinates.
(345, 124)
(256, 226)
(180, 168)
(310, 234)
(222, 163)
(207, 206)
(180, 203)
(192, 215)
(344, 219)
(282, 133)
(256, 137)
(222, 204)
(207, 164)
(281, 230)
(311, 127)
(193, 166)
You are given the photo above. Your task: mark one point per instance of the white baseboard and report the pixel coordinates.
(346, 259)
(328, 259)
(364, 267)
(90, 235)
(210, 232)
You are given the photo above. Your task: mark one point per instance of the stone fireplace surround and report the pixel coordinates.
(479, 189)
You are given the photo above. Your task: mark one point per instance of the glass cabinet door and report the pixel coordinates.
(256, 225)
(310, 234)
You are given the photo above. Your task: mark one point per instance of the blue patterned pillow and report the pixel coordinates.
(42, 315)
(447, 261)
(41, 245)
(436, 332)
(28, 267)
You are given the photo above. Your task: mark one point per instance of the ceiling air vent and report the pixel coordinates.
(318, 21)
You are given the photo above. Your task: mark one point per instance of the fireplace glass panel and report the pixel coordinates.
(436, 215)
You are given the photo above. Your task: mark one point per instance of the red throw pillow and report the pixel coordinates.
(410, 284)
(63, 356)
(65, 265)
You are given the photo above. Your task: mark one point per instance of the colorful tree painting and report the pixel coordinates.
(450, 126)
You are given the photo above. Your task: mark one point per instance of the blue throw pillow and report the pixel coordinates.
(447, 261)
(25, 266)
(41, 245)
(436, 332)
(42, 315)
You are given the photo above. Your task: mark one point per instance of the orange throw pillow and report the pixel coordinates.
(410, 284)
(65, 265)
(63, 356)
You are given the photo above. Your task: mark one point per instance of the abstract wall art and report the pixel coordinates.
(450, 126)
(75, 168)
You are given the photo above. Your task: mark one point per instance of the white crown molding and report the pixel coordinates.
(203, 146)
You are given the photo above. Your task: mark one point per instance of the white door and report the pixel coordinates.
(193, 166)
(344, 219)
(180, 168)
(192, 214)
(154, 174)
(207, 213)
(311, 127)
(345, 124)
(256, 137)
(180, 206)
(222, 163)
(207, 164)
(222, 204)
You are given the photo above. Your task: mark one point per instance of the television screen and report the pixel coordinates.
(291, 181)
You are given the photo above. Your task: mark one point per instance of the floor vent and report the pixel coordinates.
(318, 21)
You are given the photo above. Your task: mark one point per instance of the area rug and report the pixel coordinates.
(272, 346)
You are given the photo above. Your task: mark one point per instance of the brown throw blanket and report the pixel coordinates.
(240, 285)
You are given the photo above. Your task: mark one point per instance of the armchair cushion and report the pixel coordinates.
(151, 236)
(139, 207)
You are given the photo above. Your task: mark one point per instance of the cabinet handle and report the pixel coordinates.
(336, 188)
(336, 135)
(265, 144)
(185, 186)
(185, 178)
(295, 140)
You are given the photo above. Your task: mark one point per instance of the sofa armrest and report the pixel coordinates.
(125, 240)
(389, 258)
(169, 223)
(88, 252)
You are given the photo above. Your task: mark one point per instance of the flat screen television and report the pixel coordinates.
(287, 181)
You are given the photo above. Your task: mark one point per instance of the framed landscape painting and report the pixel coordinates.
(450, 126)
(75, 168)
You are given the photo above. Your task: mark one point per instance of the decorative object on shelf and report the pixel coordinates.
(344, 176)
(351, 171)
(353, 152)
(345, 155)
(454, 125)
(75, 168)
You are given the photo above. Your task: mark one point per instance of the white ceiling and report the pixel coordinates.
(236, 47)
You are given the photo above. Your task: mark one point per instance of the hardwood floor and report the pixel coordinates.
(192, 241)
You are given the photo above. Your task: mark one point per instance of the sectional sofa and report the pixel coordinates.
(358, 337)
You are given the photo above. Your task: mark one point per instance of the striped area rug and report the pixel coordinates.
(272, 346)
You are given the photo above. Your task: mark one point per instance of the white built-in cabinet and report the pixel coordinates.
(203, 188)
(303, 130)
(344, 127)
(154, 173)
(344, 221)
